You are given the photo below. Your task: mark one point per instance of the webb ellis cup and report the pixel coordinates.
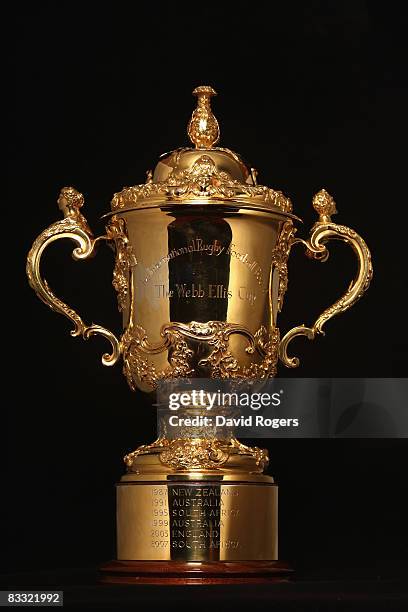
(200, 274)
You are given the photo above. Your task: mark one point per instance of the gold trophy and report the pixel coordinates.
(200, 275)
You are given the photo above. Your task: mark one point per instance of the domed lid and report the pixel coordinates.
(203, 175)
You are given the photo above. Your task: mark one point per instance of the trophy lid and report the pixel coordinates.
(203, 174)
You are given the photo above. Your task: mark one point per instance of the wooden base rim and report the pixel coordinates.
(194, 572)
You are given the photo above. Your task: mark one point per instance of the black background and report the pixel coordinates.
(312, 94)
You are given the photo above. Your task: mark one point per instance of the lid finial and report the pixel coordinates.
(203, 129)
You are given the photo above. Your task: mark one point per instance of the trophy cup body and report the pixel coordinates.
(200, 303)
(200, 274)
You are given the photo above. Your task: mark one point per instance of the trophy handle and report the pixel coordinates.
(75, 227)
(323, 231)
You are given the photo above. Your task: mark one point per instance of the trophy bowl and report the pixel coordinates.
(200, 275)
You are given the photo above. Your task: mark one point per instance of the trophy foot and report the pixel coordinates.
(203, 572)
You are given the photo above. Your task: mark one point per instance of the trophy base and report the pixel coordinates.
(184, 573)
(182, 521)
(197, 520)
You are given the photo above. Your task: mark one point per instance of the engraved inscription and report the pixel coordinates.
(159, 525)
(197, 245)
(211, 249)
(193, 291)
(199, 291)
(252, 265)
(196, 518)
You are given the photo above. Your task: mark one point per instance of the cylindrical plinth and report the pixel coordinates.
(203, 520)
